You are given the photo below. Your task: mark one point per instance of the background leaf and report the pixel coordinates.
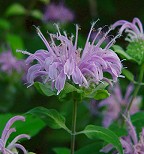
(15, 9)
(138, 121)
(61, 150)
(36, 14)
(4, 24)
(15, 43)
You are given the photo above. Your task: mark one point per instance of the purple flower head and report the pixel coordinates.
(134, 29)
(116, 102)
(66, 61)
(7, 148)
(8, 63)
(58, 13)
(130, 143)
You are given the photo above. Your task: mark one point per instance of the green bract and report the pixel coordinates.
(135, 49)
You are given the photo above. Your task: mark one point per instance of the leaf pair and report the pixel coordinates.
(57, 121)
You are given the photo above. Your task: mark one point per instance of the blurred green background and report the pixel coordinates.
(17, 31)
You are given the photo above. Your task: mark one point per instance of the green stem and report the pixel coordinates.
(73, 126)
(136, 89)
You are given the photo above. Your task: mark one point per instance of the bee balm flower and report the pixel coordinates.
(8, 149)
(65, 61)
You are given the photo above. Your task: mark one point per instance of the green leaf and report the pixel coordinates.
(44, 89)
(31, 126)
(68, 88)
(121, 52)
(95, 132)
(61, 150)
(51, 117)
(15, 43)
(128, 74)
(15, 9)
(36, 14)
(4, 24)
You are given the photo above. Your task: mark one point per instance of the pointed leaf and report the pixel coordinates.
(121, 52)
(51, 117)
(94, 132)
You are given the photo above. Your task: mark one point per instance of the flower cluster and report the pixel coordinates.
(66, 61)
(8, 149)
(131, 144)
(58, 12)
(8, 63)
(134, 29)
(116, 103)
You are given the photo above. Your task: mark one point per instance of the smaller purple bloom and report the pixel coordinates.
(58, 13)
(131, 144)
(8, 63)
(116, 103)
(134, 29)
(7, 148)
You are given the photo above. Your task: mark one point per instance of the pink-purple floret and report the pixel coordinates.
(6, 148)
(66, 61)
